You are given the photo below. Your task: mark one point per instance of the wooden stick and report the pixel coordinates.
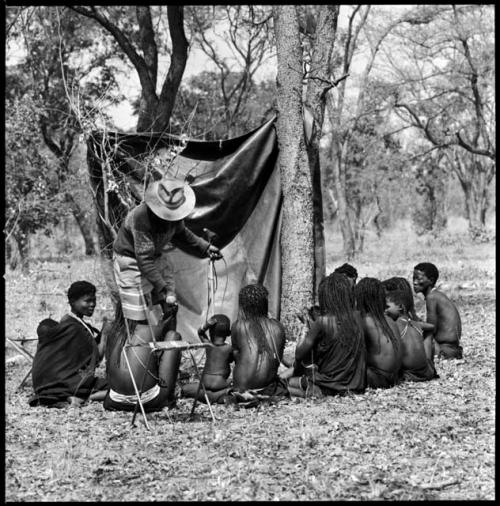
(22, 350)
(135, 388)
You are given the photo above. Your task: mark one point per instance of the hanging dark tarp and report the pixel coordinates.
(238, 196)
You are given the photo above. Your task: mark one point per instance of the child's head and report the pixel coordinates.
(253, 301)
(44, 327)
(425, 275)
(399, 283)
(397, 303)
(82, 298)
(349, 271)
(221, 327)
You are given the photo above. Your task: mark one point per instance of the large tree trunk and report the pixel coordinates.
(83, 224)
(319, 74)
(297, 242)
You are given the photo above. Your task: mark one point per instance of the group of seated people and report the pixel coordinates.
(360, 335)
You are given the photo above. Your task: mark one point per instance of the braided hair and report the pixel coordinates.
(370, 300)
(336, 298)
(253, 309)
(398, 283)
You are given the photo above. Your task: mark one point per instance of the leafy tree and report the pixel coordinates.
(237, 39)
(429, 209)
(367, 31)
(445, 89)
(201, 113)
(375, 160)
(64, 74)
(137, 32)
(32, 202)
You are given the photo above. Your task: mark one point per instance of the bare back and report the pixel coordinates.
(217, 369)
(412, 341)
(443, 313)
(256, 368)
(381, 352)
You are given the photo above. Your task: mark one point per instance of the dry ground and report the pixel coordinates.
(416, 441)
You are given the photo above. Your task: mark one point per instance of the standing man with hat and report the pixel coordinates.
(142, 271)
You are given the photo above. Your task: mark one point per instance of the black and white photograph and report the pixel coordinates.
(250, 252)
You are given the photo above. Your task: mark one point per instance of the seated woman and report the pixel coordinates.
(258, 343)
(68, 353)
(154, 373)
(331, 358)
(383, 346)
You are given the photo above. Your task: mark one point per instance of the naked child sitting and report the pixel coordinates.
(217, 365)
(441, 311)
(416, 353)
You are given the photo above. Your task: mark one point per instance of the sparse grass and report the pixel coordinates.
(425, 441)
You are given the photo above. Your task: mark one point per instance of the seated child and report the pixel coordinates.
(399, 283)
(349, 271)
(154, 373)
(441, 311)
(417, 360)
(68, 354)
(217, 365)
(383, 345)
(44, 329)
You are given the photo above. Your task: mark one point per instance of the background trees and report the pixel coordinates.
(406, 92)
(445, 89)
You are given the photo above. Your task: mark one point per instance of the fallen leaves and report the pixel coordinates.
(417, 441)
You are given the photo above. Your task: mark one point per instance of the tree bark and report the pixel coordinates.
(474, 174)
(83, 224)
(317, 86)
(297, 242)
(476, 205)
(339, 185)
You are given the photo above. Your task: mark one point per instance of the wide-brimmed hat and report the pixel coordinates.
(170, 199)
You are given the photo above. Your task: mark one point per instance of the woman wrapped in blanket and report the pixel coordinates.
(68, 353)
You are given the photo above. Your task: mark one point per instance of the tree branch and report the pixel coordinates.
(137, 60)
(472, 149)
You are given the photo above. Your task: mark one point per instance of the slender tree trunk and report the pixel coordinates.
(83, 224)
(475, 176)
(22, 243)
(322, 42)
(297, 241)
(338, 177)
(476, 205)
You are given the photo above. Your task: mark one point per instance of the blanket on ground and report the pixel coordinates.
(64, 364)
